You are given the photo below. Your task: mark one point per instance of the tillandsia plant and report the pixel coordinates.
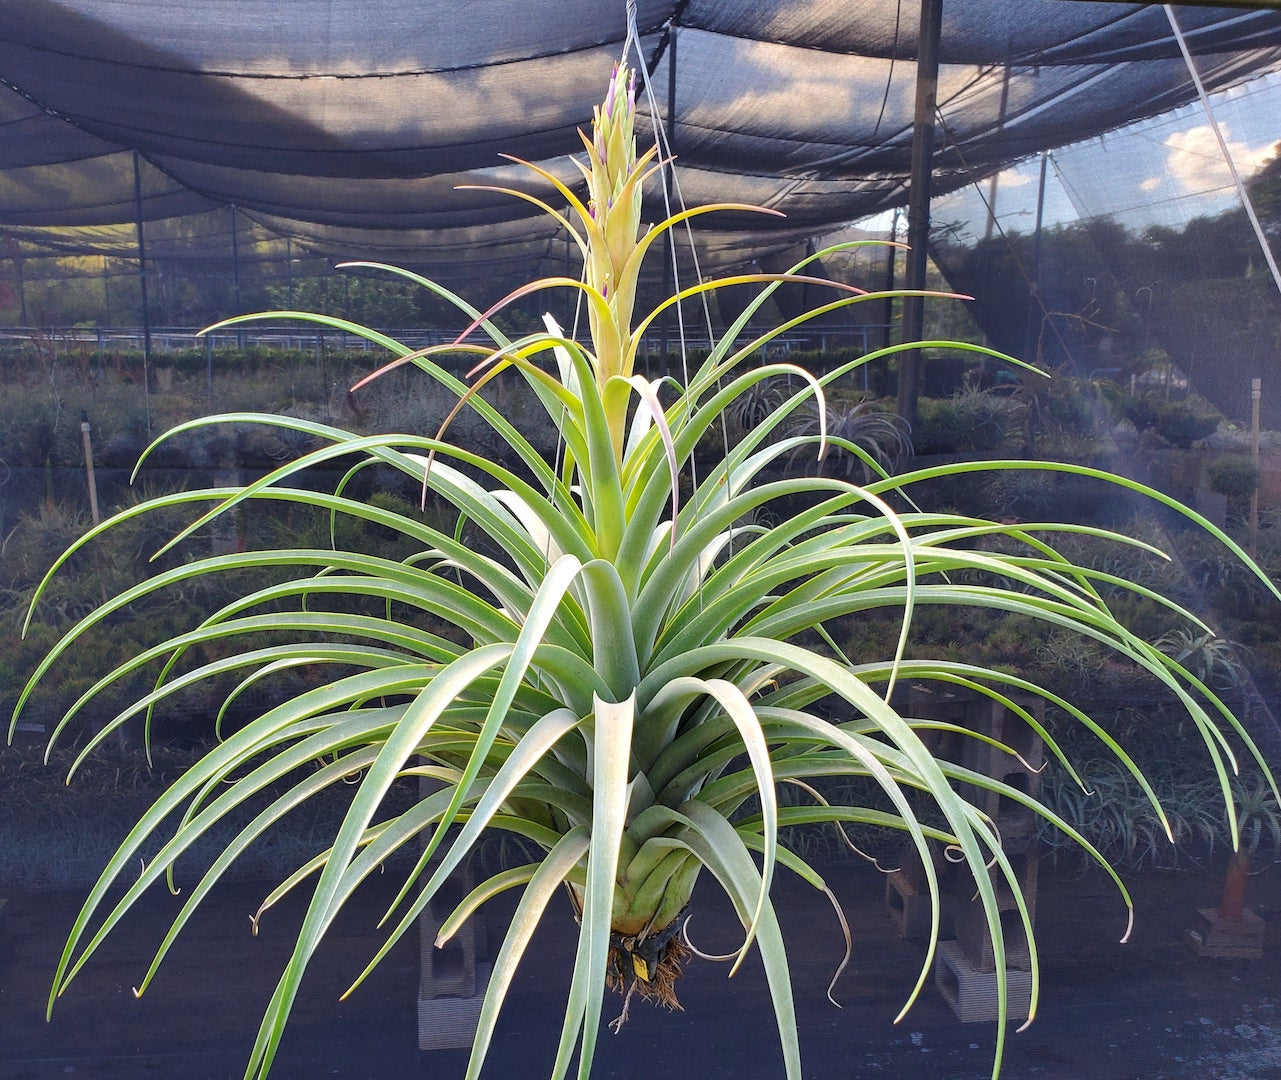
(628, 680)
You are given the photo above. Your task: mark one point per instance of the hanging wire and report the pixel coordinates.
(1223, 146)
(632, 38)
(889, 78)
(672, 194)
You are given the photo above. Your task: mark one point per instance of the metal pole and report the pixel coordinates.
(1036, 309)
(996, 176)
(93, 483)
(918, 213)
(1242, 194)
(15, 250)
(890, 264)
(289, 262)
(142, 281)
(1256, 395)
(235, 274)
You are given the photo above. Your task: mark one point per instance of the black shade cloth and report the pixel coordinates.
(347, 125)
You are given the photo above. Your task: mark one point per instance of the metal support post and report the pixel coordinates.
(1036, 309)
(142, 281)
(891, 262)
(235, 273)
(89, 476)
(1256, 396)
(918, 213)
(994, 183)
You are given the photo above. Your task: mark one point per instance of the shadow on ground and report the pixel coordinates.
(1147, 1010)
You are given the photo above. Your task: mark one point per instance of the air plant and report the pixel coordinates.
(869, 438)
(757, 404)
(626, 684)
(1211, 658)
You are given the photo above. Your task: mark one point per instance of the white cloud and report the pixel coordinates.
(1013, 178)
(1151, 183)
(1195, 161)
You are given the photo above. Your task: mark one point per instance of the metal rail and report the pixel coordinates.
(858, 337)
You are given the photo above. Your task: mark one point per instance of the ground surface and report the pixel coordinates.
(1148, 1010)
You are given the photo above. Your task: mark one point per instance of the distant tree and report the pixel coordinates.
(1264, 188)
(1076, 309)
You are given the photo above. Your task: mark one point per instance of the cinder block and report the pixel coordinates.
(910, 907)
(452, 979)
(972, 933)
(974, 939)
(972, 993)
(907, 891)
(980, 714)
(1022, 773)
(449, 1023)
(1015, 824)
(449, 971)
(1227, 939)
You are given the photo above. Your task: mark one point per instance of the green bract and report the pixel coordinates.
(639, 670)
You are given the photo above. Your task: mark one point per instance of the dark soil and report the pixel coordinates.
(1149, 1009)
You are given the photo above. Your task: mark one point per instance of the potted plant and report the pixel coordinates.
(1258, 819)
(627, 682)
(1231, 930)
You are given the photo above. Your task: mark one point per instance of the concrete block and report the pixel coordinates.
(970, 922)
(981, 714)
(975, 941)
(1227, 939)
(449, 1023)
(910, 907)
(449, 971)
(972, 993)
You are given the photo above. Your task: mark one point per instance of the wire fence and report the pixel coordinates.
(857, 337)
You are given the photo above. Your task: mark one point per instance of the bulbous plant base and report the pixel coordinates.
(648, 967)
(1231, 931)
(1235, 879)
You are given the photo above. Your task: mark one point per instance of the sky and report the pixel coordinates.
(1163, 171)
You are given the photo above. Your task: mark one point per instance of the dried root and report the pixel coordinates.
(646, 966)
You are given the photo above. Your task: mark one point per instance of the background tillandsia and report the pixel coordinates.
(618, 674)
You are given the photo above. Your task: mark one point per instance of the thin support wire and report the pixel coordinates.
(672, 193)
(674, 197)
(1223, 146)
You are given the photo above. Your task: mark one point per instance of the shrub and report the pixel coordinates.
(969, 421)
(1181, 424)
(1233, 475)
(1140, 409)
